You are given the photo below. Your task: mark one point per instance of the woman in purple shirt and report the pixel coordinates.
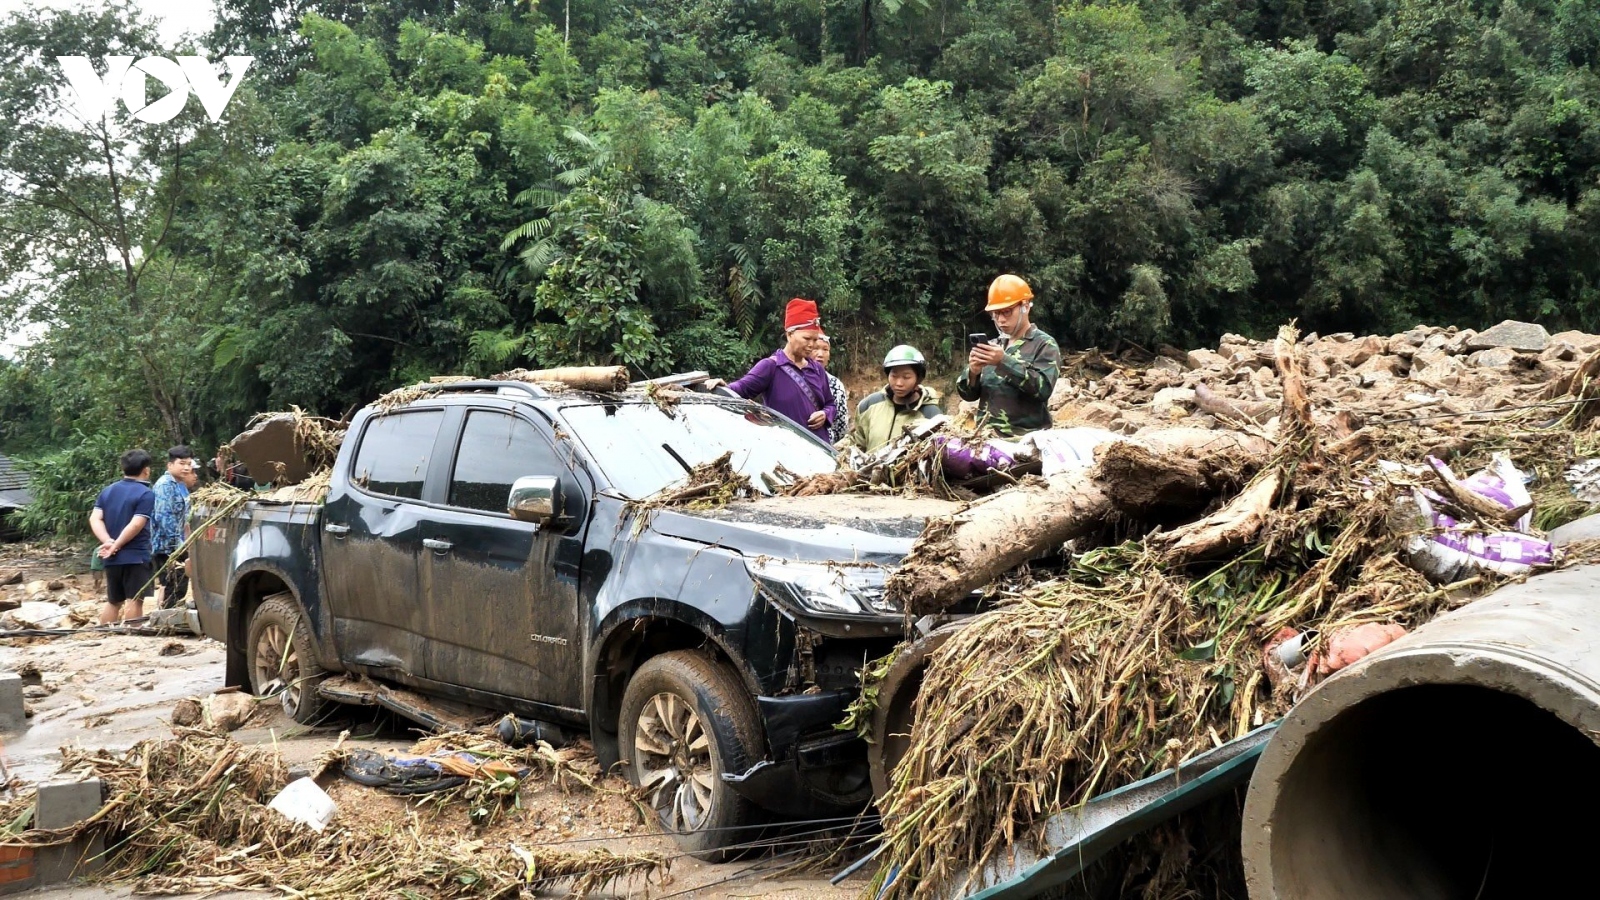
(790, 381)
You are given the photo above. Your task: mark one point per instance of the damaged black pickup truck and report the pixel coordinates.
(494, 544)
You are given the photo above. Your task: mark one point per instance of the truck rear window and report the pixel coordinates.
(394, 451)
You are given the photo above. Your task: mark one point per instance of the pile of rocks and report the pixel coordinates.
(1424, 371)
(53, 603)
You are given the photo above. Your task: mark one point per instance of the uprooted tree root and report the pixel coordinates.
(190, 814)
(1146, 653)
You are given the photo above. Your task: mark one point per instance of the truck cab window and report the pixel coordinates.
(394, 451)
(495, 450)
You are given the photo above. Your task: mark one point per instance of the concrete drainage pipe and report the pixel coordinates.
(1458, 762)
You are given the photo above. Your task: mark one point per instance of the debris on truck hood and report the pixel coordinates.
(1141, 653)
(710, 485)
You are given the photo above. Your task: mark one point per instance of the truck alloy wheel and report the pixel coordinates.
(282, 661)
(673, 755)
(686, 719)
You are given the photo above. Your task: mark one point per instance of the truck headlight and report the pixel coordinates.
(823, 588)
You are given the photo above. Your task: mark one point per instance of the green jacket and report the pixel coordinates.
(1016, 393)
(880, 420)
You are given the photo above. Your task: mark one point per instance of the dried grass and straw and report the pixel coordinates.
(189, 814)
(492, 787)
(1145, 653)
(710, 485)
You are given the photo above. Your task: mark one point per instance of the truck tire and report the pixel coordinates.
(687, 719)
(281, 660)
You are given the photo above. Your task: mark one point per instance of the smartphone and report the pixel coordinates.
(974, 340)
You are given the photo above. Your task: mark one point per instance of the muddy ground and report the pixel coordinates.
(104, 690)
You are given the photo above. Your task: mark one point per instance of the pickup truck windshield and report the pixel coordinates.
(644, 449)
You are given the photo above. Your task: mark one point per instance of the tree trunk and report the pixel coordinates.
(579, 378)
(863, 37)
(959, 554)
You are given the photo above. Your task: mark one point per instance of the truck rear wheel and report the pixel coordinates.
(687, 719)
(281, 659)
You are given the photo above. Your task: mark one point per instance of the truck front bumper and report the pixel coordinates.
(813, 767)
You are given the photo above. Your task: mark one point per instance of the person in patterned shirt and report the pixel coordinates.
(170, 524)
(840, 426)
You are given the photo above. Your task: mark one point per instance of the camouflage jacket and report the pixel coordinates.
(1016, 393)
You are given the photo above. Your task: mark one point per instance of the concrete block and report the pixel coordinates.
(79, 858)
(62, 805)
(13, 715)
(175, 621)
(1586, 528)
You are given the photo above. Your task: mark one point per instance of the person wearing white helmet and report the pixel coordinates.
(904, 400)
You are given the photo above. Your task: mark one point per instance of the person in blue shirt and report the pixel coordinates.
(121, 514)
(169, 527)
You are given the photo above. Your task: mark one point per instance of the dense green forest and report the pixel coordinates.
(401, 189)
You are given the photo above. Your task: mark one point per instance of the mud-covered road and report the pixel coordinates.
(102, 690)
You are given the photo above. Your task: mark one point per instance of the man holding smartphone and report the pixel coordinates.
(1012, 378)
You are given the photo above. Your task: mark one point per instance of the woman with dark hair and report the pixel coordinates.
(823, 353)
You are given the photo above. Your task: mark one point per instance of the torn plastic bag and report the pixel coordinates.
(304, 801)
(962, 460)
(1584, 476)
(1448, 550)
(1500, 482)
(1067, 449)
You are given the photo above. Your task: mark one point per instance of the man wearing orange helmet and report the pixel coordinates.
(1012, 379)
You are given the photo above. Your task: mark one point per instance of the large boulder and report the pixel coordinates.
(1493, 358)
(37, 614)
(1580, 341)
(1526, 337)
(1356, 352)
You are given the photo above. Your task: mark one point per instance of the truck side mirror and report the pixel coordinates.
(535, 498)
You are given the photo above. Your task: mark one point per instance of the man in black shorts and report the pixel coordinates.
(121, 515)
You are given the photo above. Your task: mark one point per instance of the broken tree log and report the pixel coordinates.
(1236, 524)
(605, 379)
(958, 554)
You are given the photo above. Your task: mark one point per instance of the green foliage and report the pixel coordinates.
(65, 484)
(410, 189)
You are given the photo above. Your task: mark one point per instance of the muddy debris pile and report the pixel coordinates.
(1265, 498)
(199, 812)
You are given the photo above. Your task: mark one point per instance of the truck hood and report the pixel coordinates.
(837, 527)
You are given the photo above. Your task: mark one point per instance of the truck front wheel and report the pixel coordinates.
(281, 659)
(686, 719)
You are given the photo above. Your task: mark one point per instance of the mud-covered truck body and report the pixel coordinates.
(496, 545)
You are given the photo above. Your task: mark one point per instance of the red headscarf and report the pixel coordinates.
(801, 313)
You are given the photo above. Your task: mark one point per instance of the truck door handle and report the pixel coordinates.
(436, 545)
(339, 530)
